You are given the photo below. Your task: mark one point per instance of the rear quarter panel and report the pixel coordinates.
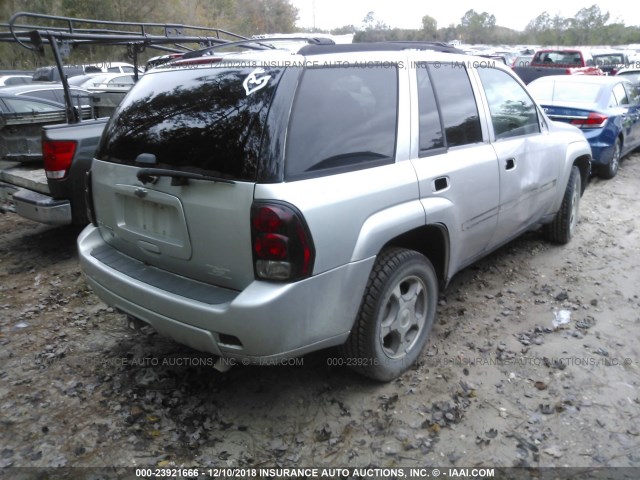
(345, 210)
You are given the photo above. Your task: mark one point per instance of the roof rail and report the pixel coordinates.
(265, 43)
(377, 46)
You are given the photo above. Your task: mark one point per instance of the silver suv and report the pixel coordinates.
(264, 204)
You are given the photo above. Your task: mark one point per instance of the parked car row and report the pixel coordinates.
(605, 108)
(51, 73)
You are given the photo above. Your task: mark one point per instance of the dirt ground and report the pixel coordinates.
(498, 385)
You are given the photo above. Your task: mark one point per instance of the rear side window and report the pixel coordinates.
(457, 104)
(203, 120)
(343, 118)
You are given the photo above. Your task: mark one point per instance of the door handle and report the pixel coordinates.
(440, 184)
(510, 164)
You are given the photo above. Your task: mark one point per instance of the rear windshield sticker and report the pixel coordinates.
(253, 83)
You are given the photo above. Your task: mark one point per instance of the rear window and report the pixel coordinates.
(609, 59)
(550, 91)
(634, 76)
(204, 120)
(343, 118)
(559, 57)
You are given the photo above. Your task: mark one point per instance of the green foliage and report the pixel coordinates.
(587, 27)
(244, 17)
(371, 23)
(430, 27)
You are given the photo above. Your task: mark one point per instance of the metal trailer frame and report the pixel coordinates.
(136, 36)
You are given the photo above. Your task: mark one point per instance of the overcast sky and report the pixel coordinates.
(408, 13)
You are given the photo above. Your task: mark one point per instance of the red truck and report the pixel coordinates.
(568, 61)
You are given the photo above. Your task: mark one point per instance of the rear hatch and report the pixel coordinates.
(188, 122)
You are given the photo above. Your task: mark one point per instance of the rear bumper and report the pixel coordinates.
(602, 154)
(264, 321)
(35, 206)
(601, 141)
(42, 208)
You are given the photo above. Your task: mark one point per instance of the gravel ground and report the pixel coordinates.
(498, 385)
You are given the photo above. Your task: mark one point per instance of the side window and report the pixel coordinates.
(46, 94)
(78, 97)
(457, 104)
(342, 117)
(513, 113)
(431, 136)
(121, 81)
(632, 94)
(17, 81)
(620, 94)
(20, 105)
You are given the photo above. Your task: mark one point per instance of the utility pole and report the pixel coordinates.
(313, 8)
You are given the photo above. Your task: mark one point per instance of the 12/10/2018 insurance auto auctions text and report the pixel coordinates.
(317, 472)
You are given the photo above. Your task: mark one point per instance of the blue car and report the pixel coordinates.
(606, 109)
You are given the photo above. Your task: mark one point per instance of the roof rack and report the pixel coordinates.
(136, 36)
(77, 31)
(257, 43)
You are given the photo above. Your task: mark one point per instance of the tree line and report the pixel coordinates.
(589, 26)
(243, 17)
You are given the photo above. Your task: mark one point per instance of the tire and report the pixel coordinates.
(396, 315)
(611, 170)
(562, 228)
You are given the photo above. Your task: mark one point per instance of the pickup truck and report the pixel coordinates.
(53, 193)
(50, 187)
(558, 62)
(610, 61)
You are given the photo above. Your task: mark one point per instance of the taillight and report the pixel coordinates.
(282, 246)
(58, 156)
(594, 120)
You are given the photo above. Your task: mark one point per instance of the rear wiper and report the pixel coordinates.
(178, 178)
(346, 159)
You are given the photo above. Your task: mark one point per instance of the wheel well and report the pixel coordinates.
(584, 165)
(432, 241)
